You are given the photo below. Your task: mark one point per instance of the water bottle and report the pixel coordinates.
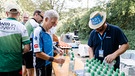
(86, 67)
(62, 56)
(109, 64)
(71, 66)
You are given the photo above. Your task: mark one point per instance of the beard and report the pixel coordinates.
(100, 29)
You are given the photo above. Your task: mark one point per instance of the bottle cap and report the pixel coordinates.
(88, 70)
(71, 58)
(109, 74)
(105, 71)
(122, 74)
(71, 49)
(92, 59)
(98, 72)
(92, 73)
(103, 63)
(117, 70)
(72, 53)
(86, 64)
(106, 68)
(64, 54)
(92, 64)
(100, 68)
(96, 66)
(111, 71)
(94, 69)
(102, 74)
(99, 61)
(112, 67)
(87, 60)
(96, 60)
(115, 74)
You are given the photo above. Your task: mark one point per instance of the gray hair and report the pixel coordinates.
(51, 14)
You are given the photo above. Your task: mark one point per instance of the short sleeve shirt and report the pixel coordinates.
(42, 42)
(12, 35)
(114, 37)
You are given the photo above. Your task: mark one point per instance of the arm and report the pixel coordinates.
(91, 54)
(44, 56)
(26, 48)
(109, 58)
(121, 50)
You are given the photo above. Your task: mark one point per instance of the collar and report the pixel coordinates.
(34, 19)
(34, 23)
(43, 29)
(10, 18)
(108, 27)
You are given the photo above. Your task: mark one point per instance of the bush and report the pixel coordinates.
(131, 38)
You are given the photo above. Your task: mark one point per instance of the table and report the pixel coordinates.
(63, 71)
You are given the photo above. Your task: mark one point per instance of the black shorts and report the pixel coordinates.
(28, 59)
(44, 71)
(12, 73)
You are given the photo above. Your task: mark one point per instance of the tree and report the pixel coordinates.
(57, 5)
(121, 13)
(27, 5)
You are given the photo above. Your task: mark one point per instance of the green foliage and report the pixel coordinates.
(27, 5)
(131, 38)
(43, 4)
(78, 21)
(121, 13)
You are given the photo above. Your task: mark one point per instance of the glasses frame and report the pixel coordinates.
(41, 16)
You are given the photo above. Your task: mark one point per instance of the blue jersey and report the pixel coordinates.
(42, 42)
(113, 37)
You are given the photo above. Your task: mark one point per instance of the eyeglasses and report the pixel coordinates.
(41, 16)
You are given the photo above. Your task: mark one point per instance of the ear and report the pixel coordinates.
(36, 14)
(7, 14)
(46, 19)
(18, 13)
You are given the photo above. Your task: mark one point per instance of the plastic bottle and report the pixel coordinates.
(110, 64)
(86, 67)
(70, 52)
(71, 66)
(62, 56)
(87, 73)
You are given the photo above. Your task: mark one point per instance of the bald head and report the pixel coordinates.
(25, 17)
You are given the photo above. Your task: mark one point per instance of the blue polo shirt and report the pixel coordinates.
(113, 38)
(42, 42)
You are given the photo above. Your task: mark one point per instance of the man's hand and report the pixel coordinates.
(109, 58)
(59, 60)
(61, 52)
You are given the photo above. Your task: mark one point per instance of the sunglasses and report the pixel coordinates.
(41, 16)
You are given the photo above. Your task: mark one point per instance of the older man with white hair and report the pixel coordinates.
(43, 44)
